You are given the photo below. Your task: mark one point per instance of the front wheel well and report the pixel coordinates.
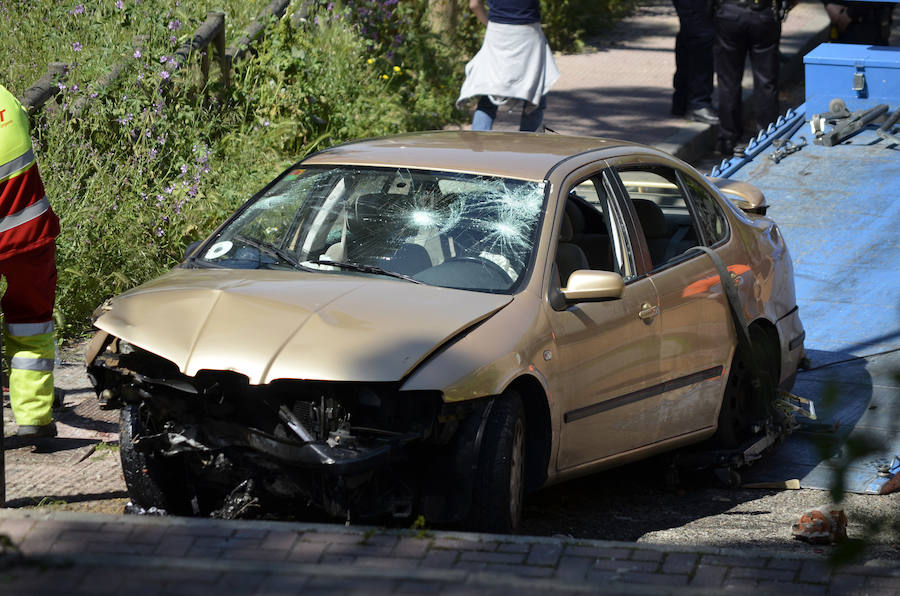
(538, 431)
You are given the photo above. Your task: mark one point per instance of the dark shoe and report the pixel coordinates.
(704, 115)
(725, 147)
(35, 432)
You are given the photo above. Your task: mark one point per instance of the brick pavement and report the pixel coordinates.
(73, 553)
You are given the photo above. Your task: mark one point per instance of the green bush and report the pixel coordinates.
(158, 160)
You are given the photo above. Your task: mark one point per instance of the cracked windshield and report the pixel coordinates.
(438, 228)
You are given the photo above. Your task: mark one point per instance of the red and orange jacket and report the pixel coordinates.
(26, 219)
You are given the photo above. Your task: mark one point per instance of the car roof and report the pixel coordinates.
(507, 154)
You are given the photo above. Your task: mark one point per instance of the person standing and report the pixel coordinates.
(28, 230)
(693, 80)
(514, 63)
(860, 22)
(746, 27)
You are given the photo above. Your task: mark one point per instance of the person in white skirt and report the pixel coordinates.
(514, 63)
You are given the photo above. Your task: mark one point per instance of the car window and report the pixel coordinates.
(592, 234)
(662, 211)
(710, 217)
(440, 228)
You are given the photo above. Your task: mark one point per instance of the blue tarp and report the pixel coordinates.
(839, 211)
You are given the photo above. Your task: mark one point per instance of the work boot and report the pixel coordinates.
(27, 431)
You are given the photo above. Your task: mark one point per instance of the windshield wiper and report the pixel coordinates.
(365, 269)
(271, 250)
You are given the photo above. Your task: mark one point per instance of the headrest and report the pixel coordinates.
(651, 217)
(566, 232)
(576, 217)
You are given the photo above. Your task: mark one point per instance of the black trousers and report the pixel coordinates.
(693, 81)
(741, 32)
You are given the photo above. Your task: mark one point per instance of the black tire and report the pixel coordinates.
(747, 400)
(499, 487)
(152, 479)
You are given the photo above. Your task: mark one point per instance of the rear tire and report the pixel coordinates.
(499, 486)
(152, 479)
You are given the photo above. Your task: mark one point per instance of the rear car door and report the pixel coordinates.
(697, 336)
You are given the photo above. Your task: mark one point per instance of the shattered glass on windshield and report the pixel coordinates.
(439, 228)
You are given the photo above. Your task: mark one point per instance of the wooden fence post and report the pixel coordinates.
(46, 87)
(276, 8)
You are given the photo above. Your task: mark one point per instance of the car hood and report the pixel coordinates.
(272, 325)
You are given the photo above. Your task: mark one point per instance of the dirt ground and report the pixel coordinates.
(80, 471)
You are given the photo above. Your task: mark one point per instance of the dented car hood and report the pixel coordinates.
(272, 325)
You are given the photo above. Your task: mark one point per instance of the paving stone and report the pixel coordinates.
(600, 552)
(633, 577)
(640, 554)
(331, 538)
(226, 542)
(508, 558)
(731, 560)
(775, 563)
(238, 583)
(282, 585)
(16, 529)
(520, 570)
(197, 552)
(460, 544)
(679, 563)
(766, 587)
(386, 562)
(359, 550)
(573, 568)
(442, 559)
(708, 576)
(418, 587)
(408, 546)
(278, 540)
(545, 554)
(814, 572)
(842, 583)
(625, 565)
(780, 575)
(513, 547)
(254, 554)
(174, 546)
(307, 552)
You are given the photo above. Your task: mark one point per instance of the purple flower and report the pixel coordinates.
(79, 8)
(76, 46)
(137, 54)
(184, 168)
(119, 4)
(174, 25)
(162, 59)
(164, 74)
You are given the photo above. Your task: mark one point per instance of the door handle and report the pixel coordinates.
(648, 311)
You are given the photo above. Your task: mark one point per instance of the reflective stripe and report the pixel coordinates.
(11, 167)
(24, 215)
(27, 329)
(23, 363)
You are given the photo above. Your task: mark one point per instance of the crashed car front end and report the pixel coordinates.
(267, 370)
(216, 445)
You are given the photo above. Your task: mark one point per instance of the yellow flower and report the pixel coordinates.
(370, 61)
(397, 69)
(385, 77)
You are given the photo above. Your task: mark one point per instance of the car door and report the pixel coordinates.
(606, 354)
(696, 333)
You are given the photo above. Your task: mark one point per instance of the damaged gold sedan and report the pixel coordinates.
(433, 324)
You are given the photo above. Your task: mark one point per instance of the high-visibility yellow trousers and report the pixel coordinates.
(31, 351)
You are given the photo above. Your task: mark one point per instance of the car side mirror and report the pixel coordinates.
(586, 285)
